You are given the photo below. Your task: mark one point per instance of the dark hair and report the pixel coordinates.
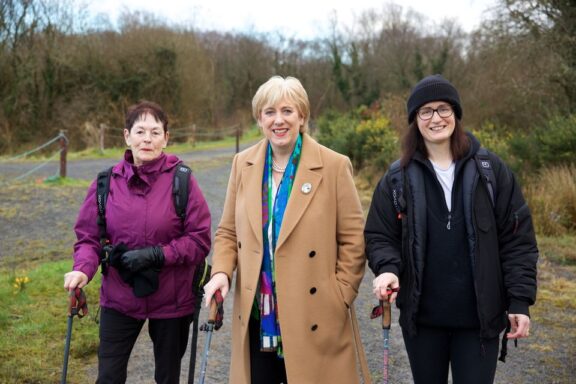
(143, 107)
(413, 141)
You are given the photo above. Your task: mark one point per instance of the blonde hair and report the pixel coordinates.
(277, 89)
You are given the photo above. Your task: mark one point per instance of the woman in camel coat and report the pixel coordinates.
(299, 261)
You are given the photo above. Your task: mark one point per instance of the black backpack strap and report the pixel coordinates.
(484, 165)
(180, 190)
(102, 190)
(396, 177)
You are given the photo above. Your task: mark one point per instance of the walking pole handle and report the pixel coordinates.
(213, 311)
(216, 314)
(386, 314)
(387, 309)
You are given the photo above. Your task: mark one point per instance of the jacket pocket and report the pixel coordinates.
(484, 222)
(518, 216)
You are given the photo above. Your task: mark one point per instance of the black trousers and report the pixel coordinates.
(118, 334)
(265, 367)
(433, 350)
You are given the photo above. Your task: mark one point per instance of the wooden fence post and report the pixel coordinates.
(193, 138)
(63, 152)
(102, 128)
(237, 138)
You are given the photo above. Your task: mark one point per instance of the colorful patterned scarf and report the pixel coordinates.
(272, 214)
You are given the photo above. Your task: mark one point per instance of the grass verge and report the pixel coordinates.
(33, 323)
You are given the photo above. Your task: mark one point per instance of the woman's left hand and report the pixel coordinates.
(520, 326)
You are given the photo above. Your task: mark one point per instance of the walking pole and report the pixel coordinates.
(386, 322)
(214, 323)
(385, 310)
(201, 277)
(78, 307)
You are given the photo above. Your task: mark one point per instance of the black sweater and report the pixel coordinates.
(448, 298)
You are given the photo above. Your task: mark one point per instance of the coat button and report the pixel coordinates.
(239, 244)
(312, 253)
(314, 327)
(312, 290)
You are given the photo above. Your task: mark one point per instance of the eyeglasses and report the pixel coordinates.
(444, 111)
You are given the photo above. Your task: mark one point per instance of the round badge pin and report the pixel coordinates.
(306, 188)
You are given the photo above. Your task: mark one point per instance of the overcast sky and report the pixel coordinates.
(304, 19)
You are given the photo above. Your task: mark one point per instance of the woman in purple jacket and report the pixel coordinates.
(154, 252)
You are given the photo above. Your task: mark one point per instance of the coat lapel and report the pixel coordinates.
(300, 196)
(252, 188)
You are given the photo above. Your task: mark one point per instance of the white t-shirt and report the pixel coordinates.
(446, 179)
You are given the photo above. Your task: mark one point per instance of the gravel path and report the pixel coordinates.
(547, 357)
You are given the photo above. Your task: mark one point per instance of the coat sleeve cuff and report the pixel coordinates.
(388, 268)
(519, 307)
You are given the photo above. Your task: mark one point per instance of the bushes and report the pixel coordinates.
(545, 160)
(364, 135)
(551, 195)
(553, 144)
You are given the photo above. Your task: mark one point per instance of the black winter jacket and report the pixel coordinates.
(501, 239)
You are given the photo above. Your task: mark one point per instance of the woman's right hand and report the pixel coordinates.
(382, 283)
(75, 279)
(219, 281)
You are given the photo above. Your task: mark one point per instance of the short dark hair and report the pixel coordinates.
(143, 107)
(413, 141)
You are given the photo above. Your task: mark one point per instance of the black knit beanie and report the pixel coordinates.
(433, 88)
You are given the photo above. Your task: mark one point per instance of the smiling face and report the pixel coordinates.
(281, 124)
(437, 130)
(146, 138)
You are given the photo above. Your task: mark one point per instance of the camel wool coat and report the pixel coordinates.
(319, 264)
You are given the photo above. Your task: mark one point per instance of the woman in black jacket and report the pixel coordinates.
(460, 246)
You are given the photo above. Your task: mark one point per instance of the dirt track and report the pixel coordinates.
(547, 357)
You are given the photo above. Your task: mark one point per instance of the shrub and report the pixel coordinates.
(553, 144)
(364, 135)
(376, 143)
(496, 140)
(551, 195)
(336, 131)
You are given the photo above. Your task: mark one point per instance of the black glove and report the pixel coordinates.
(115, 254)
(138, 259)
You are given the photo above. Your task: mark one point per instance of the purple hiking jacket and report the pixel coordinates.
(140, 213)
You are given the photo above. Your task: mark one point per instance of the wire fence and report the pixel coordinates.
(190, 134)
(61, 139)
(107, 137)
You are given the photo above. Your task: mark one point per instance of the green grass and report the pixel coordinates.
(33, 322)
(57, 181)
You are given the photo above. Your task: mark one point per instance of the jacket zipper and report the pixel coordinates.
(448, 224)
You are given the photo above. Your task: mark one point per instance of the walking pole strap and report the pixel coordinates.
(78, 305)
